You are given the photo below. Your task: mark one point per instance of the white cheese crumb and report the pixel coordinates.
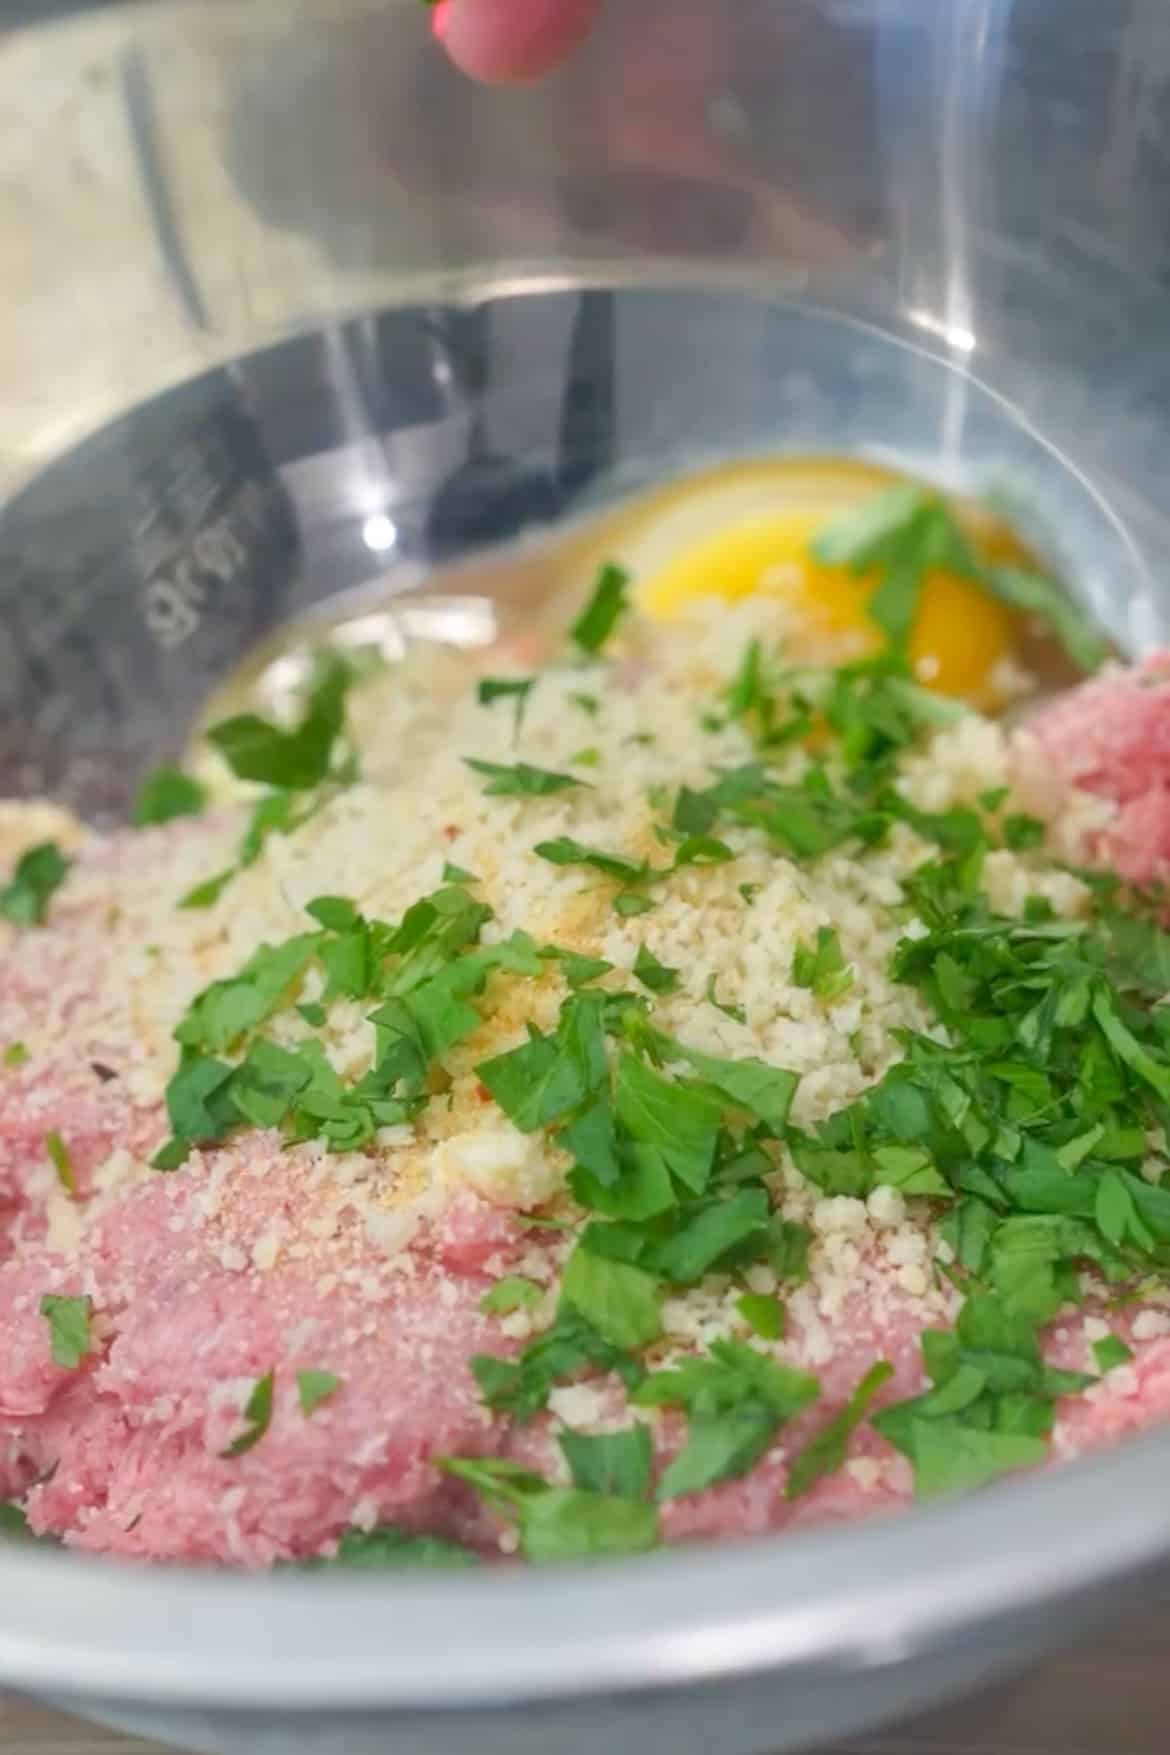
(886, 1208)
(576, 1404)
(840, 1214)
(504, 1165)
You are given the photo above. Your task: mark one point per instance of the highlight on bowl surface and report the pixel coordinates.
(694, 1066)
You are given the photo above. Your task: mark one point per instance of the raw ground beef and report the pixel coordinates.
(1111, 738)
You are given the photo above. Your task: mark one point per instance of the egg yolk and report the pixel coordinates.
(959, 636)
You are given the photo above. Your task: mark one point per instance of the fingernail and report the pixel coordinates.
(441, 20)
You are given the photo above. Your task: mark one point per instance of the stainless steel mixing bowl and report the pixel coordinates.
(289, 308)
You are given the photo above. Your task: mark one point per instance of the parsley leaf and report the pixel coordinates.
(61, 1161)
(1021, 832)
(521, 1387)
(677, 1123)
(1074, 629)
(653, 974)
(615, 1463)
(764, 1091)
(296, 760)
(558, 1524)
(166, 794)
(895, 534)
(267, 1082)
(735, 1012)
(736, 1399)
(950, 1455)
(40, 871)
(566, 1524)
(511, 688)
(520, 780)
(565, 851)
(550, 1075)
(387, 1549)
(619, 1301)
(704, 1234)
(207, 893)
(825, 1453)
(992, 1404)
(629, 903)
(16, 1054)
(1111, 1351)
(227, 1010)
(13, 1523)
(596, 621)
(904, 532)
(823, 969)
(763, 1314)
(313, 1388)
(512, 1292)
(578, 970)
(257, 1415)
(68, 1320)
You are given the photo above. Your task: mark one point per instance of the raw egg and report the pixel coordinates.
(750, 527)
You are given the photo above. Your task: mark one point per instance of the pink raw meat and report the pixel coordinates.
(188, 1324)
(1111, 737)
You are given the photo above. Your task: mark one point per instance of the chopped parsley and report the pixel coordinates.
(68, 1320)
(822, 967)
(735, 1012)
(16, 1054)
(905, 532)
(764, 1315)
(1021, 832)
(558, 1524)
(1111, 1351)
(619, 1301)
(597, 620)
(578, 970)
(513, 1292)
(521, 1387)
(166, 794)
(512, 688)
(615, 1463)
(736, 1400)
(313, 1388)
(387, 1549)
(296, 760)
(565, 851)
(653, 974)
(551, 1075)
(520, 780)
(825, 1453)
(61, 1161)
(257, 1416)
(629, 903)
(40, 871)
(424, 970)
(13, 1523)
(992, 1404)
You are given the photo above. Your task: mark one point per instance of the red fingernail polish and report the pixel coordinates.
(441, 19)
